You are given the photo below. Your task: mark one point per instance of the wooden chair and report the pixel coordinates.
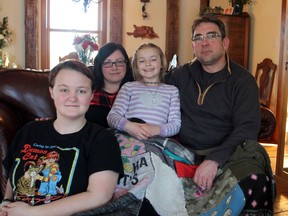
(71, 55)
(265, 73)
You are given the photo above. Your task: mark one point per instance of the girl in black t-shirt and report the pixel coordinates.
(66, 165)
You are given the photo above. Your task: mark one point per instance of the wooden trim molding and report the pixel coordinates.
(281, 106)
(31, 34)
(204, 4)
(172, 28)
(44, 39)
(32, 37)
(116, 21)
(104, 23)
(32, 41)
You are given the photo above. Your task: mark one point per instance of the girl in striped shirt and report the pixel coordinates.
(147, 98)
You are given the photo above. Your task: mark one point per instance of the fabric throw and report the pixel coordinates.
(165, 192)
(161, 171)
(138, 167)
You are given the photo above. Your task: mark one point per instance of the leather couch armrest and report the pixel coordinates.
(10, 122)
(268, 123)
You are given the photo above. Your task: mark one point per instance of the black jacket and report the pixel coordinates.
(220, 116)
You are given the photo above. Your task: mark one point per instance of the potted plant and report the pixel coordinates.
(238, 5)
(209, 10)
(5, 38)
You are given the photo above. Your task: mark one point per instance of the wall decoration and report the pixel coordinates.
(144, 13)
(143, 32)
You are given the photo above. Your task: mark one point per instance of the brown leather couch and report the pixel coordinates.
(24, 96)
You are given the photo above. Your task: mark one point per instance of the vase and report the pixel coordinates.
(237, 9)
(85, 56)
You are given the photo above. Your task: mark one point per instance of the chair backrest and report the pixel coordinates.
(265, 73)
(71, 55)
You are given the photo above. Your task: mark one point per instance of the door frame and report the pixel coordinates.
(281, 108)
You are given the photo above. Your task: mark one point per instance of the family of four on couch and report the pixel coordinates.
(24, 96)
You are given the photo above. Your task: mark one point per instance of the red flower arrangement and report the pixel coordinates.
(85, 45)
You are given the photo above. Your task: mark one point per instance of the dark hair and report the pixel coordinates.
(210, 19)
(103, 53)
(136, 73)
(74, 65)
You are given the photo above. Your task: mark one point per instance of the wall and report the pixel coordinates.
(189, 10)
(157, 19)
(265, 18)
(264, 37)
(14, 10)
(133, 16)
(263, 15)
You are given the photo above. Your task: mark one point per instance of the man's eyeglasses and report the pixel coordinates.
(118, 63)
(209, 37)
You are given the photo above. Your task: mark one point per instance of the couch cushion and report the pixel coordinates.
(28, 91)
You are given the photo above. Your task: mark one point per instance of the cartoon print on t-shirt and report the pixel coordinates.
(51, 175)
(47, 172)
(26, 184)
(37, 177)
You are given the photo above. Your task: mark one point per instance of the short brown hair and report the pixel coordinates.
(210, 19)
(74, 65)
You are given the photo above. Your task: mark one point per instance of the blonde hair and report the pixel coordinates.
(135, 70)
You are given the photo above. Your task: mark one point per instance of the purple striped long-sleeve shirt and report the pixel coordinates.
(156, 105)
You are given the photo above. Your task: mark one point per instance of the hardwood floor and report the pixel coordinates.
(281, 201)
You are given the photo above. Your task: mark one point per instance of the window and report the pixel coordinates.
(62, 20)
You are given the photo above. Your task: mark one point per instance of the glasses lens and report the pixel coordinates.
(211, 35)
(120, 63)
(208, 36)
(198, 38)
(107, 64)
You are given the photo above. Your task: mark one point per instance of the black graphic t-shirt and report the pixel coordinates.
(45, 165)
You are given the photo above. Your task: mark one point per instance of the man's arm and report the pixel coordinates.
(246, 120)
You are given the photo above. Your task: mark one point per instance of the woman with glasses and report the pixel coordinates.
(112, 69)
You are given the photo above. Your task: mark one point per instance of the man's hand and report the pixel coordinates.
(205, 174)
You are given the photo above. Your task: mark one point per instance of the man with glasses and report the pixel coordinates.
(220, 111)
